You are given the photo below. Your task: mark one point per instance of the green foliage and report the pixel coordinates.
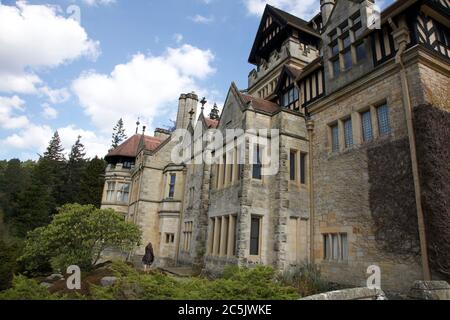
(92, 182)
(8, 265)
(118, 135)
(73, 172)
(55, 149)
(237, 284)
(77, 236)
(306, 279)
(27, 289)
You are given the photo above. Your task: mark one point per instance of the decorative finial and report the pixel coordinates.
(137, 125)
(143, 129)
(203, 102)
(191, 113)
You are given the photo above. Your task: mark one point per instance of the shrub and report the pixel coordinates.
(27, 289)
(306, 279)
(8, 265)
(77, 236)
(237, 284)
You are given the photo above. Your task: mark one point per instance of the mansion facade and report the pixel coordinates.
(341, 91)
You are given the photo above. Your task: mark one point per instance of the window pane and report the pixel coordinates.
(335, 138)
(346, 41)
(348, 131)
(335, 247)
(172, 185)
(334, 48)
(254, 236)
(367, 126)
(383, 120)
(336, 67)
(303, 168)
(347, 59)
(325, 247)
(292, 165)
(344, 247)
(257, 163)
(360, 52)
(295, 94)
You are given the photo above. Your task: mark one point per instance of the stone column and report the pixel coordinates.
(223, 237)
(216, 236)
(231, 235)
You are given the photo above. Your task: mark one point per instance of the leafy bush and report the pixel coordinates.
(237, 284)
(306, 279)
(8, 265)
(77, 236)
(27, 289)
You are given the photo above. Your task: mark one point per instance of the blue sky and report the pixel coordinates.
(119, 59)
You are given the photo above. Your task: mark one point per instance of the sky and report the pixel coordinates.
(78, 66)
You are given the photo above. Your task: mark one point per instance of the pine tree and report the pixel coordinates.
(55, 149)
(214, 115)
(36, 203)
(73, 172)
(54, 156)
(92, 183)
(118, 135)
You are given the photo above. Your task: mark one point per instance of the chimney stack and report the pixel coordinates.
(187, 102)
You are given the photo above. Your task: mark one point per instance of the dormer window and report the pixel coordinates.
(346, 47)
(290, 97)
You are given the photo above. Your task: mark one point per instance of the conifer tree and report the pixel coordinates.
(118, 135)
(92, 183)
(73, 172)
(214, 115)
(55, 149)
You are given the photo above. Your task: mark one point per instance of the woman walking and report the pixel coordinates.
(149, 257)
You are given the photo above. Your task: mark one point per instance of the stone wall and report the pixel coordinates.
(344, 184)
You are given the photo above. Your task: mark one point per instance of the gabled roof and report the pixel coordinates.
(260, 104)
(291, 71)
(130, 147)
(283, 19)
(211, 124)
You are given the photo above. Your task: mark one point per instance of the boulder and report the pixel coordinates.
(108, 281)
(430, 290)
(55, 277)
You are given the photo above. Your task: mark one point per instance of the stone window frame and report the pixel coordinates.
(335, 145)
(222, 240)
(228, 170)
(187, 235)
(350, 28)
(110, 190)
(169, 238)
(172, 185)
(121, 195)
(334, 249)
(299, 172)
(253, 257)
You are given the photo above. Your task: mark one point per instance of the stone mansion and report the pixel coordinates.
(341, 89)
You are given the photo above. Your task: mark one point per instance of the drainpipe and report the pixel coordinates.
(180, 223)
(310, 128)
(401, 38)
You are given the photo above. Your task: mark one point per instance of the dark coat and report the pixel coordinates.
(149, 256)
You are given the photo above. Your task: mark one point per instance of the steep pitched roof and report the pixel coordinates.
(294, 21)
(211, 124)
(282, 19)
(130, 147)
(260, 104)
(290, 71)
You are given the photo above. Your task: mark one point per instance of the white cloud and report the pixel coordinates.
(49, 112)
(94, 144)
(304, 9)
(36, 37)
(9, 120)
(95, 3)
(178, 37)
(202, 19)
(55, 96)
(145, 86)
(33, 138)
